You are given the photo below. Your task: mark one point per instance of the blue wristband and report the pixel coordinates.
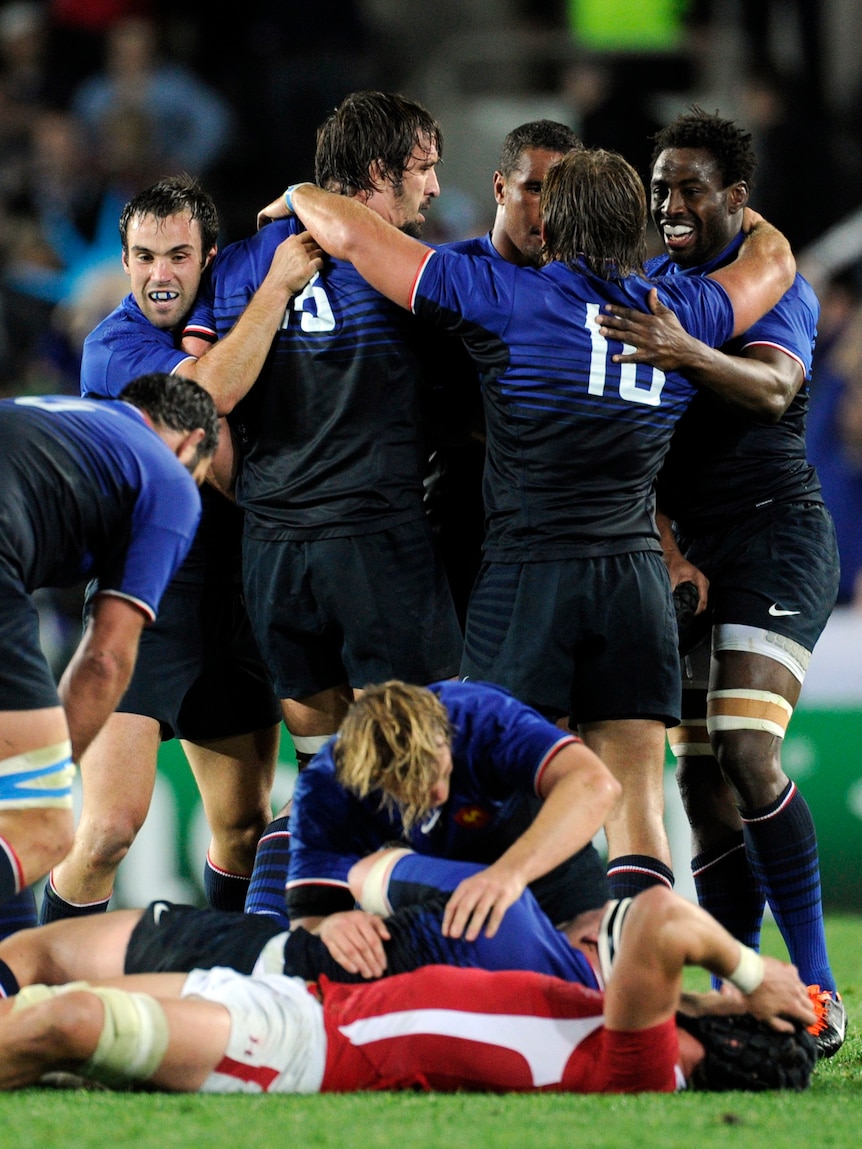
(288, 196)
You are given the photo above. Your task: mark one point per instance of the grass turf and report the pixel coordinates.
(826, 1115)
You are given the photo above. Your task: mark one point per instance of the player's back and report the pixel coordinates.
(83, 480)
(574, 439)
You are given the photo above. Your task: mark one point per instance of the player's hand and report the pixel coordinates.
(295, 261)
(355, 939)
(781, 996)
(682, 571)
(480, 900)
(275, 209)
(750, 219)
(657, 336)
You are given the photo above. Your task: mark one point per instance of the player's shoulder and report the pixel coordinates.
(125, 317)
(801, 294)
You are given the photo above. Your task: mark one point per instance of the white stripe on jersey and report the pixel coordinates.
(545, 1043)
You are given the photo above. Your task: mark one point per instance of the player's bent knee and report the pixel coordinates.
(38, 779)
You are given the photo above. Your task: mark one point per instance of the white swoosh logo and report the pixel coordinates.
(158, 909)
(777, 613)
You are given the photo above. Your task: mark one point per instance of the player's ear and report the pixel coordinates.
(499, 187)
(210, 256)
(187, 446)
(737, 196)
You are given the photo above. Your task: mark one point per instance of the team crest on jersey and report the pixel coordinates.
(472, 817)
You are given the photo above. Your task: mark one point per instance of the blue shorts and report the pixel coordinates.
(198, 671)
(591, 638)
(355, 610)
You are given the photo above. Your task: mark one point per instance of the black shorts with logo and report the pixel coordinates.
(777, 571)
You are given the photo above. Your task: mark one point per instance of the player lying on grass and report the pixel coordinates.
(438, 1028)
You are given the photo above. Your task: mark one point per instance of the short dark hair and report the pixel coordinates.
(728, 144)
(744, 1053)
(174, 195)
(548, 135)
(176, 403)
(371, 128)
(594, 208)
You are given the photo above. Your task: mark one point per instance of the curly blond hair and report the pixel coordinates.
(390, 740)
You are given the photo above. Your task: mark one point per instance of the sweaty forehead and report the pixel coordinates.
(424, 154)
(675, 165)
(180, 224)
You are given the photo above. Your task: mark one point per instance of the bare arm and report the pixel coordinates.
(579, 792)
(225, 464)
(385, 256)
(99, 670)
(662, 934)
(762, 380)
(230, 367)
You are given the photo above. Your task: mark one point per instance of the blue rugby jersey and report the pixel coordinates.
(499, 749)
(722, 461)
(330, 433)
(574, 440)
(122, 347)
(90, 490)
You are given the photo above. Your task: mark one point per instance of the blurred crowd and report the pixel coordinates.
(100, 97)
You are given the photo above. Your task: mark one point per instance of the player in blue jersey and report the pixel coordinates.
(199, 676)
(749, 525)
(572, 611)
(342, 581)
(456, 770)
(89, 489)
(454, 498)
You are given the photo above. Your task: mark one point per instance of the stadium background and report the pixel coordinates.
(615, 70)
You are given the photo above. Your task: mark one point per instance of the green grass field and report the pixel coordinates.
(827, 1115)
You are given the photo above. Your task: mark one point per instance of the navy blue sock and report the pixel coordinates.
(55, 908)
(224, 891)
(728, 890)
(630, 874)
(269, 876)
(781, 843)
(18, 913)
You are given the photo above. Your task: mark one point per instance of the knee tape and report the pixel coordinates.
(376, 884)
(740, 709)
(755, 640)
(307, 745)
(690, 739)
(38, 778)
(134, 1037)
(35, 994)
